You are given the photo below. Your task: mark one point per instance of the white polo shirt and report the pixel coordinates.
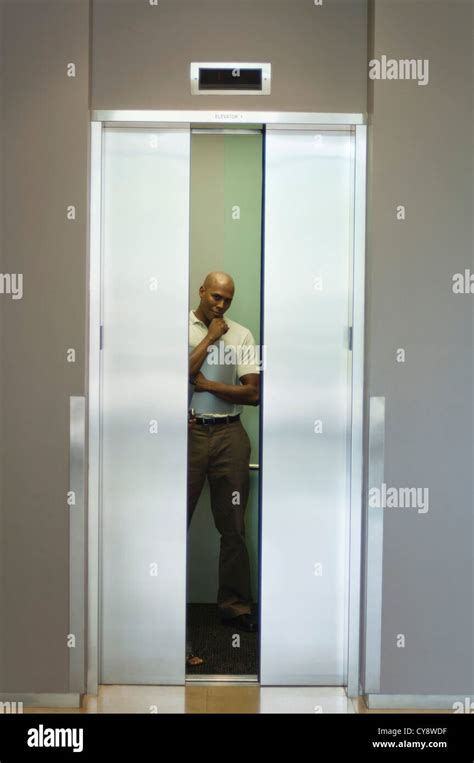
(232, 356)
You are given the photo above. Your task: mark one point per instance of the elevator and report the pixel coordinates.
(289, 227)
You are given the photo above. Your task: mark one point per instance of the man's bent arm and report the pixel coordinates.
(247, 393)
(198, 355)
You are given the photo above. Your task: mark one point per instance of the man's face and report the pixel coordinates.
(215, 300)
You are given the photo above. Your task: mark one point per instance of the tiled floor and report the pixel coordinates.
(212, 698)
(220, 698)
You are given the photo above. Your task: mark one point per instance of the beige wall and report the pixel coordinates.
(141, 54)
(421, 156)
(45, 169)
(2, 537)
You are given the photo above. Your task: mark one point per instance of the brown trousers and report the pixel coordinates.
(221, 452)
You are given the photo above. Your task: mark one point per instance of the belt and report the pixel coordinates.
(209, 421)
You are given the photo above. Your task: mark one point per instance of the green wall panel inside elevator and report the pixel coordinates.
(225, 234)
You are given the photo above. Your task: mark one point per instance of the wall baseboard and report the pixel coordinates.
(449, 702)
(40, 700)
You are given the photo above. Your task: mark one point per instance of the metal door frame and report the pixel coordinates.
(355, 123)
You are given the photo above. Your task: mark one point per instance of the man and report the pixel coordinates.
(225, 377)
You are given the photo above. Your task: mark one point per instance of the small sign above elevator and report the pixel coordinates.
(230, 79)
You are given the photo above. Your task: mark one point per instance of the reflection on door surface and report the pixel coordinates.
(306, 286)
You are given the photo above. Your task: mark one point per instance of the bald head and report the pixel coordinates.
(217, 279)
(216, 293)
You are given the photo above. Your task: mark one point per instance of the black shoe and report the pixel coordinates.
(242, 623)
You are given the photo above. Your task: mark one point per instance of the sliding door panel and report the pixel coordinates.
(145, 254)
(305, 418)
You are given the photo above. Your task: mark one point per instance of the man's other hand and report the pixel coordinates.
(199, 381)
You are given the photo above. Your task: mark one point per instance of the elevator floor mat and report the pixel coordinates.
(225, 650)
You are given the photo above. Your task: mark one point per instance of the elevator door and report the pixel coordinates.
(144, 372)
(305, 426)
(309, 199)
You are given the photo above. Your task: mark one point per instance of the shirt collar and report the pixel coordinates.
(194, 319)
